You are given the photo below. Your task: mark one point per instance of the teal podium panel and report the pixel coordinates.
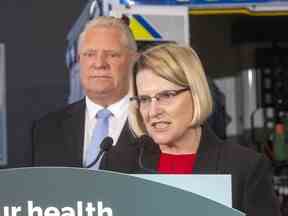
(214, 187)
(82, 192)
(3, 129)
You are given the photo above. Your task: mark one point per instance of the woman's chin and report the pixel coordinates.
(161, 140)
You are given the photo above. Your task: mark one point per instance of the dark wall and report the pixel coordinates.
(34, 33)
(259, 29)
(226, 43)
(210, 36)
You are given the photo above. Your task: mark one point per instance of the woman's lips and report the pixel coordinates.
(161, 125)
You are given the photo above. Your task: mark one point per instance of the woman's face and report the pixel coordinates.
(167, 118)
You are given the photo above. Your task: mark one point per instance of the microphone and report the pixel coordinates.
(105, 146)
(143, 141)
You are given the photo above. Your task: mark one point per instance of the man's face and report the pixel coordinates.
(105, 65)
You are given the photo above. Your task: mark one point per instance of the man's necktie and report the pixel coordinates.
(99, 133)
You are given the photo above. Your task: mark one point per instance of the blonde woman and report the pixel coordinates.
(170, 102)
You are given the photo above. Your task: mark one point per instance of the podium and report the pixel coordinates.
(81, 192)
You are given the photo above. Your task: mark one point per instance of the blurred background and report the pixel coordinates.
(243, 46)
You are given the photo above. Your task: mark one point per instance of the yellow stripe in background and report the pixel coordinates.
(139, 32)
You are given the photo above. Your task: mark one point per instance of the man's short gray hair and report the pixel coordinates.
(108, 21)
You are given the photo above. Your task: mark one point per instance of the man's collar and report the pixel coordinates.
(117, 108)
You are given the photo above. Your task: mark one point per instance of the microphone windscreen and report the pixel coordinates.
(106, 143)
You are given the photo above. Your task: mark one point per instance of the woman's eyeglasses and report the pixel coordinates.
(163, 97)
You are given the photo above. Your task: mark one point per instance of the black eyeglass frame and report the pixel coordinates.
(156, 96)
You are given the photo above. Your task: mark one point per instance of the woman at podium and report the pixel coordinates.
(170, 102)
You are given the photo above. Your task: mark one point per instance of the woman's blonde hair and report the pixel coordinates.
(179, 65)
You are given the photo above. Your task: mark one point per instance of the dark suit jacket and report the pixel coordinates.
(58, 141)
(252, 190)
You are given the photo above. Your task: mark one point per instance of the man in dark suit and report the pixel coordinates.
(107, 53)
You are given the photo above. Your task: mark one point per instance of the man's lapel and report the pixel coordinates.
(73, 126)
(122, 157)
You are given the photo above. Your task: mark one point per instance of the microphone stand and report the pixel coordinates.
(105, 146)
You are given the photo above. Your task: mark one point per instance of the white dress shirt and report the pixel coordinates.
(117, 121)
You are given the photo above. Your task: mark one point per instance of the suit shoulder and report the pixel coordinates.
(243, 155)
(62, 113)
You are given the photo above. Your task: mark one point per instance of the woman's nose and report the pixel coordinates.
(154, 109)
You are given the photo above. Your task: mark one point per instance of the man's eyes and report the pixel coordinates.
(113, 54)
(89, 54)
(107, 54)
